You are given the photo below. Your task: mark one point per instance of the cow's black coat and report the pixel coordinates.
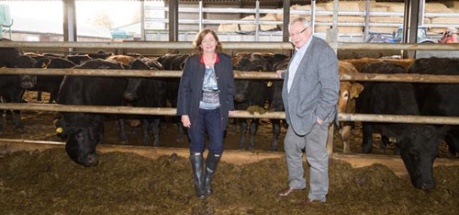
(438, 99)
(83, 131)
(250, 93)
(147, 92)
(417, 144)
(51, 83)
(12, 87)
(174, 62)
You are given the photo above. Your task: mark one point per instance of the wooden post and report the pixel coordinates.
(331, 129)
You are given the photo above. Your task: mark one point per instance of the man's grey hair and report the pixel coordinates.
(304, 20)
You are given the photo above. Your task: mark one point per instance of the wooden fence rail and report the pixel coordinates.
(238, 75)
(238, 114)
(414, 78)
(228, 45)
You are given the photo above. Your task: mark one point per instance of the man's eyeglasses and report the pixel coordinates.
(298, 33)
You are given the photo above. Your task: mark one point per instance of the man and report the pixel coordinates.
(449, 36)
(310, 94)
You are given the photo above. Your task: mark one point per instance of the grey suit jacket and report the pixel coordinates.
(315, 89)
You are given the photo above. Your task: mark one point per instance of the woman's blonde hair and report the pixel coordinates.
(200, 36)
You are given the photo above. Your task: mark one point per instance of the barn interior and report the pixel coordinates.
(350, 28)
(36, 177)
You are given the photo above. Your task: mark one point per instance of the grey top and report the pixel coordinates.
(210, 91)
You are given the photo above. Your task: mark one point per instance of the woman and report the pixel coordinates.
(205, 100)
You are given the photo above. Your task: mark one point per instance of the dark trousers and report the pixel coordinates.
(207, 121)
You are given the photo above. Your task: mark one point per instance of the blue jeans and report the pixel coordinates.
(207, 121)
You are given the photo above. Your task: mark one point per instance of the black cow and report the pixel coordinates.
(250, 93)
(436, 99)
(147, 92)
(416, 143)
(100, 55)
(83, 131)
(12, 87)
(174, 62)
(78, 59)
(50, 83)
(277, 62)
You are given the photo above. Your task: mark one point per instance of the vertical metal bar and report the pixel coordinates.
(173, 20)
(422, 9)
(366, 31)
(335, 14)
(332, 35)
(410, 26)
(142, 20)
(414, 21)
(200, 15)
(313, 16)
(286, 21)
(257, 20)
(69, 28)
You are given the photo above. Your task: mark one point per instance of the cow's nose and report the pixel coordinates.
(427, 186)
(27, 85)
(239, 98)
(92, 160)
(129, 96)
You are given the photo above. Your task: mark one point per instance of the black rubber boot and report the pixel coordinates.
(211, 165)
(197, 165)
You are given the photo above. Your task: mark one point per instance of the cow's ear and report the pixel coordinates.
(124, 66)
(45, 63)
(356, 89)
(59, 125)
(261, 68)
(443, 130)
(61, 130)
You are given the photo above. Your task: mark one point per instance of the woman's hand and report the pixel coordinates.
(186, 121)
(279, 73)
(231, 112)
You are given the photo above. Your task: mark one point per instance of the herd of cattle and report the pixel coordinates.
(417, 144)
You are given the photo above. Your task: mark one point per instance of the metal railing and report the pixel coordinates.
(238, 74)
(257, 11)
(238, 114)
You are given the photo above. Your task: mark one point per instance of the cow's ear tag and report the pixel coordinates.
(59, 130)
(269, 84)
(44, 66)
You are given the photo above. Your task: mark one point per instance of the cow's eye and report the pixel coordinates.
(79, 136)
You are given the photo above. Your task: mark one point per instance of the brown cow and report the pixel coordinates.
(359, 63)
(349, 90)
(124, 59)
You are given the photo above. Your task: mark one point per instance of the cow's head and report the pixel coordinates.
(348, 92)
(81, 140)
(249, 62)
(28, 81)
(419, 146)
(134, 86)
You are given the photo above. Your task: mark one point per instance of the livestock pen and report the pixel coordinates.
(233, 157)
(262, 46)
